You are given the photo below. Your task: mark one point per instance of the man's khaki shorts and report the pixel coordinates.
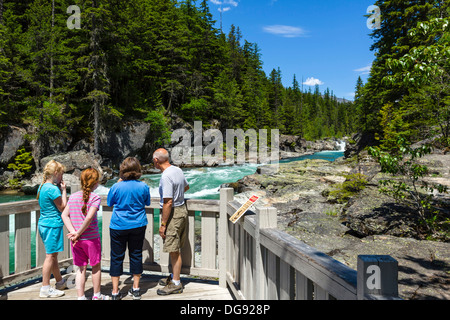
(176, 229)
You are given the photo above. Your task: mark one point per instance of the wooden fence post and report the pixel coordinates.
(377, 277)
(4, 247)
(265, 218)
(226, 195)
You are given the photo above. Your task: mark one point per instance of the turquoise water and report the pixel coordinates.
(204, 184)
(324, 155)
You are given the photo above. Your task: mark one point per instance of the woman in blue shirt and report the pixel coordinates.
(128, 223)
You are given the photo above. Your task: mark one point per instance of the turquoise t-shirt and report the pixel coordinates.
(50, 215)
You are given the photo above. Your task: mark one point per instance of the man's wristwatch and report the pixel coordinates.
(163, 224)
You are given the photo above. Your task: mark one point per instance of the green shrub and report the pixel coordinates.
(353, 184)
(406, 183)
(21, 167)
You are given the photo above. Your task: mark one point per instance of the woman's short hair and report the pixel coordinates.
(130, 169)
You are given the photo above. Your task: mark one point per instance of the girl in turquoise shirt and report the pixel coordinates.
(52, 198)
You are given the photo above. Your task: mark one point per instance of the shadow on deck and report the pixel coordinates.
(194, 288)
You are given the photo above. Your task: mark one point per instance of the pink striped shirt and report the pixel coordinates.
(77, 217)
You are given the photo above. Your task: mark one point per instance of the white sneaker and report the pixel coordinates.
(50, 293)
(102, 297)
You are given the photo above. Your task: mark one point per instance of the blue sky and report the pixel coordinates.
(323, 42)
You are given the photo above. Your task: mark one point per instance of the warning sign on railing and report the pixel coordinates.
(243, 209)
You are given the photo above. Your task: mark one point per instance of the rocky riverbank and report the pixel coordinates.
(133, 140)
(365, 223)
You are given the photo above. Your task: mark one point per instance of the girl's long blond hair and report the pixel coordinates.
(89, 178)
(52, 167)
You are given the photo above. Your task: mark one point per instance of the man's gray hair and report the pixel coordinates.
(161, 155)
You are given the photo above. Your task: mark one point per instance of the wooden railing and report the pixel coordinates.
(21, 212)
(199, 254)
(253, 258)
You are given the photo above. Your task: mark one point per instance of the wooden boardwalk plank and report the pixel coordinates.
(194, 289)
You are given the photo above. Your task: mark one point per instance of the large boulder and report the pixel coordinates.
(116, 146)
(10, 141)
(290, 143)
(74, 161)
(329, 144)
(372, 213)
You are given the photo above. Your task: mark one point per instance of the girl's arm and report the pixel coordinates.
(61, 202)
(66, 219)
(87, 221)
(64, 193)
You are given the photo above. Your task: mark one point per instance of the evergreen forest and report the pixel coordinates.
(407, 95)
(146, 60)
(152, 60)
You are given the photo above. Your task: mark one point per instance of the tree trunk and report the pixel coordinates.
(51, 53)
(1, 12)
(96, 126)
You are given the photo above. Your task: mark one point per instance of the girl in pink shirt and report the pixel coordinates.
(80, 218)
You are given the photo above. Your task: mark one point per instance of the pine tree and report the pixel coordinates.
(392, 42)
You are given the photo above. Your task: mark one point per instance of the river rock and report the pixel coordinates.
(31, 186)
(74, 161)
(372, 213)
(128, 142)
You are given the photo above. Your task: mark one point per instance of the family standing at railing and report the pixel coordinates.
(128, 197)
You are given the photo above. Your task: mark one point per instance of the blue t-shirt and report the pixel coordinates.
(172, 186)
(129, 199)
(50, 215)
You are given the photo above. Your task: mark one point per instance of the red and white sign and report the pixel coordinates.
(243, 209)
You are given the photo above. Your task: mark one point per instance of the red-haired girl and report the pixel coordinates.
(80, 218)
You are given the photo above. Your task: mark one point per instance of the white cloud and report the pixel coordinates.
(226, 2)
(313, 81)
(285, 31)
(364, 70)
(225, 5)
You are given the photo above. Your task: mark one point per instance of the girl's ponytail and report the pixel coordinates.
(88, 178)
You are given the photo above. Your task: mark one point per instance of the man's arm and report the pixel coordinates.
(166, 209)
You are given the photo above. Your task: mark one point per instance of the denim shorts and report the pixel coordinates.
(53, 238)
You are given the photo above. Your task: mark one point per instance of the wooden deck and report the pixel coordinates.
(194, 289)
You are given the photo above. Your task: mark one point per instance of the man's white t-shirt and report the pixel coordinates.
(172, 186)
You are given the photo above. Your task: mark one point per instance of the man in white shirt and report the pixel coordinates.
(172, 187)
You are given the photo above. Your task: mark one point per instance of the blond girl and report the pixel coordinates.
(52, 198)
(80, 218)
